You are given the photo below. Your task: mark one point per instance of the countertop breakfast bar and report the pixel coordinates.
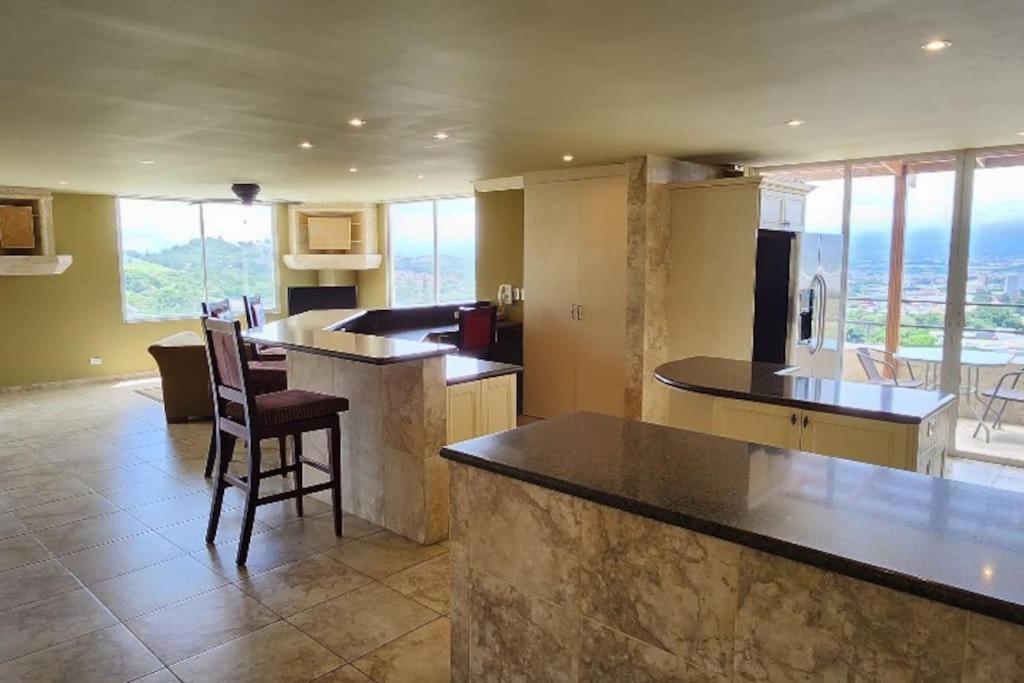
(396, 422)
(775, 405)
(621, 550)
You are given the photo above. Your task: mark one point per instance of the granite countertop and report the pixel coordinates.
(956, 543)
(752, 381)
(315, 332)
(461, 369)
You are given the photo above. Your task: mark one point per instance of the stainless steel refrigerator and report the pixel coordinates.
(799, 303)
(817, 337)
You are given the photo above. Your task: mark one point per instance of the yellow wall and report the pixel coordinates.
(373, 284)
(499, 245)
(51, 325)
(499, 257)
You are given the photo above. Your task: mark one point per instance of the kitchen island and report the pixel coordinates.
(595, 548)
(771, 404)
(398, 415)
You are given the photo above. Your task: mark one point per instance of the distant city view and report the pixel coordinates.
(995, 274)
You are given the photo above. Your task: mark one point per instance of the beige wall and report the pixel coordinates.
(499, 245)
(51, 325)
(373, 284)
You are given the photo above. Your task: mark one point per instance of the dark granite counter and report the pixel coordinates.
(317, 332)
(956, 543)
(461, 369)
(760, 382)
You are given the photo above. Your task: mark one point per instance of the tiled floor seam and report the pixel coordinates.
(93, 546)
(377, 649)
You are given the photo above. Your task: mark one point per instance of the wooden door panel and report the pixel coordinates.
(761, 423)
(498, 401)
(549, 279)
(859, 439)
(464, 418)
(601, 293)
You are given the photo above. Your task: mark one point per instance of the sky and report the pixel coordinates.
(998, 199)
(411, 226)
(152, 225)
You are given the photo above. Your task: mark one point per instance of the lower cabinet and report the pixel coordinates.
(482, 407)
(921, 448)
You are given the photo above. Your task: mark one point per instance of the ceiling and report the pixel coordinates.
(216, 92)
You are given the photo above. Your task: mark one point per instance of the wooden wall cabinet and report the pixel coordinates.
(914, 447)
(713, 256)
(17, 230)
(574, 271)
(333, 236)
(482, 407)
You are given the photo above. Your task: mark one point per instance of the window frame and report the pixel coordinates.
(119, 228)
(390, 285)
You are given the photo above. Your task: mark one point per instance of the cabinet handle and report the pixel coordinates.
(792, 419)
(572, 311)
(579, 311)
(807, 421)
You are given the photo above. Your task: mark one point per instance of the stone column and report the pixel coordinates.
(392, 474)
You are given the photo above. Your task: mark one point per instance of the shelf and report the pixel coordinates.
(333, 261)
(34, 265)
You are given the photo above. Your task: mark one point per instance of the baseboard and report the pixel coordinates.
(68, 383)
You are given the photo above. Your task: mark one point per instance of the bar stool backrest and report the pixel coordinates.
(255, 315)
(229, 369)
(218, 310)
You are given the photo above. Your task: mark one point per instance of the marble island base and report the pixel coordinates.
(547, 586)
(391, 434)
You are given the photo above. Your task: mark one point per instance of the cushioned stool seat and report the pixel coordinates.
(292, 405)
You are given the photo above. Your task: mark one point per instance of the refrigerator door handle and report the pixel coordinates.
(820, 332)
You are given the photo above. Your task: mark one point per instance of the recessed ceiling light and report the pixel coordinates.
(793, 123)
(63, 182)
(353, 169)
(419, 177)
(936, 45)
(306, 144)
(1020, 132)
(147, 162)
(441, 135)
(357, 122)
(567, 157)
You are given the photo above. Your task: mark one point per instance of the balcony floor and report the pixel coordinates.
(1006, 445)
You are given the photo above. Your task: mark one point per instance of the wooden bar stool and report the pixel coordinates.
(267, 375)
(256, 316)
(240, 413)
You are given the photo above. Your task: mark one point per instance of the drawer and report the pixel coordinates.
(934, 430)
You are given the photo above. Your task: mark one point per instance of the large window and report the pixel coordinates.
(174, 255)
(433, 251)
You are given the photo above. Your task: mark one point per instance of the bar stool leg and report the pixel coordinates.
(282, 445)
(211, 454)
(336, 473)
(251, 498)
(227, 447)
(297, 449)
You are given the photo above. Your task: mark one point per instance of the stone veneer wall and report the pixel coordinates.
(648, 229)
(392, 474)
(548, 587)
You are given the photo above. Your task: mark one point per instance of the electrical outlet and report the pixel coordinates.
(95, 360)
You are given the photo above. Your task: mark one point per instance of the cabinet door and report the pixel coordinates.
(793, 209)
(771, 211)
(549, 276)
(600, 330)
(855, 438)
(761, 423)
(464, 408)
(498, 399)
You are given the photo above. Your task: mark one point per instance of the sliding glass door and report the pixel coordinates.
(992, 422)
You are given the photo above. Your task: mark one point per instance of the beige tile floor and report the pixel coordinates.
(105, 575)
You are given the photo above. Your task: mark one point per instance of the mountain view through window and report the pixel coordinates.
(175, 255)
